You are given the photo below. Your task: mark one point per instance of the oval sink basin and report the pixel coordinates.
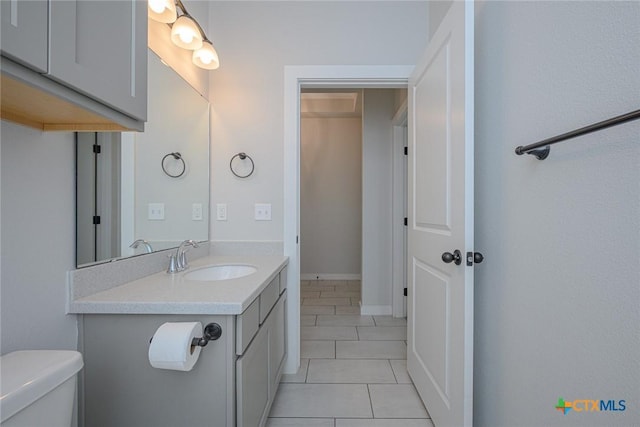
(220, 272)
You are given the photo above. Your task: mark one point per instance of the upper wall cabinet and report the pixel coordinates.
(75, 65)
(100, 48)
(24, 32)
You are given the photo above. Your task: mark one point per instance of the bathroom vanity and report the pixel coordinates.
(236, 376)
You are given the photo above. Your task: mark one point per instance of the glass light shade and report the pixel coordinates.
(206, 57)
(162, 11)
(185, 33)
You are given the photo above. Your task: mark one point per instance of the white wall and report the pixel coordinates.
(330, 197)
(557, 296)
(255, 40)
(377, 201)
(38, 238)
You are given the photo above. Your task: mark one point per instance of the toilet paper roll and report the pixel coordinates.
(171, 348)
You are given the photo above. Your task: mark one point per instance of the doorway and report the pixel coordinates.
(297, 77)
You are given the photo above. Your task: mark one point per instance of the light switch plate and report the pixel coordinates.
(263, 211)
(196, 211)
(221, 212)
(156, 212)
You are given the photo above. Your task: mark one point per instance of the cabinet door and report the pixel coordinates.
(24, 32)
(252, 388)
(277, 349)
(100, 49)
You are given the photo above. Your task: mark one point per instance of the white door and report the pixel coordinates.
(440, 306)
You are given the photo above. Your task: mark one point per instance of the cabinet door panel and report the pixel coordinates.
(252, 372)
(100, 48)
(24, 32)
(277, 349)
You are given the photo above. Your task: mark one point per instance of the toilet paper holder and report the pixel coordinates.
(212, 332)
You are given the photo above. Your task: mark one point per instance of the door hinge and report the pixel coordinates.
(406, 151)
(405, 292)
(297, 239)
(96, 149)
(406, 221)
(96, 220)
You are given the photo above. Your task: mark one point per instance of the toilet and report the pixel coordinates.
(37, 388)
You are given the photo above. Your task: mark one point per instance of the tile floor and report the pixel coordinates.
(353, 368)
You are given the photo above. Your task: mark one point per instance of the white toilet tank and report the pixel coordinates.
(37, 388)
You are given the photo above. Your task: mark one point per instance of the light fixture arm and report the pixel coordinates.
(184, 11)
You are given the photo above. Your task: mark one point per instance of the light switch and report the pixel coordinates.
(263, 211)
(196, 212)
(221, 212)
(156, 211)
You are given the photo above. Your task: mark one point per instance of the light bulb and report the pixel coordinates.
(186, 34)
(162, 10)
(206, 57)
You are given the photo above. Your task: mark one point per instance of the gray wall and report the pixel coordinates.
(255, 41)
(330, 197)
(38, 238)
(557, 297)
(377, 201)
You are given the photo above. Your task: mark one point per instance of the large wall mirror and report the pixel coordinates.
(151, 185)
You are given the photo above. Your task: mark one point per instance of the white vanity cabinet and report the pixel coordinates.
(75, 64)
(259, 368)
(233, 383)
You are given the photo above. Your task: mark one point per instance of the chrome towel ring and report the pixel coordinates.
(176, 156)
(242, 156)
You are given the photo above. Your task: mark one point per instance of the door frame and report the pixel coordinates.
(399, 194)
(320, 76)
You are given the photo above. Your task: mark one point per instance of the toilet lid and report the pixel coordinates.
(26, 376)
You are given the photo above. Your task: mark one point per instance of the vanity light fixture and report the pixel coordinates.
(185, 31)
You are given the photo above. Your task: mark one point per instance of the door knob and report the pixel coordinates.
(456, 257)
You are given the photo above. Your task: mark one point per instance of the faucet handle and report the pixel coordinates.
(173, 268)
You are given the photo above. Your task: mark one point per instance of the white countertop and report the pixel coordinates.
(163, 293)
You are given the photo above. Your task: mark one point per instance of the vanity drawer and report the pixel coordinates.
(247, 325)
(268, 297)
(283, 280)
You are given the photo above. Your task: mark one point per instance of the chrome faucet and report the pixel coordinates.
(139, 242)
(181, 254)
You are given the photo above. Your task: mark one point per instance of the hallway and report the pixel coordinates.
(352, 368)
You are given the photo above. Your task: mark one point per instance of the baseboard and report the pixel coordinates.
(322, 276)
(376, 310)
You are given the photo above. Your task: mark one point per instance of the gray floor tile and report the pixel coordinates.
(317, 349)
(344, 320)
(326, 301)
(340, 294)
(396, 401)
(400, 371)
(328, 333)
(309, 294)
(307, 320)
(382, 423)
(298, 377)
(344, 371)
(382, 333)
(390, 321)
(319, 287)
(371, 350)
(322, 400)
(299, 422)
(347, 309)
(317, 309)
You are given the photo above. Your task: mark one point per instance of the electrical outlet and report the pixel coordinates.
(156, 211)
(221, 212)
(196, 212)
(262, 212)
